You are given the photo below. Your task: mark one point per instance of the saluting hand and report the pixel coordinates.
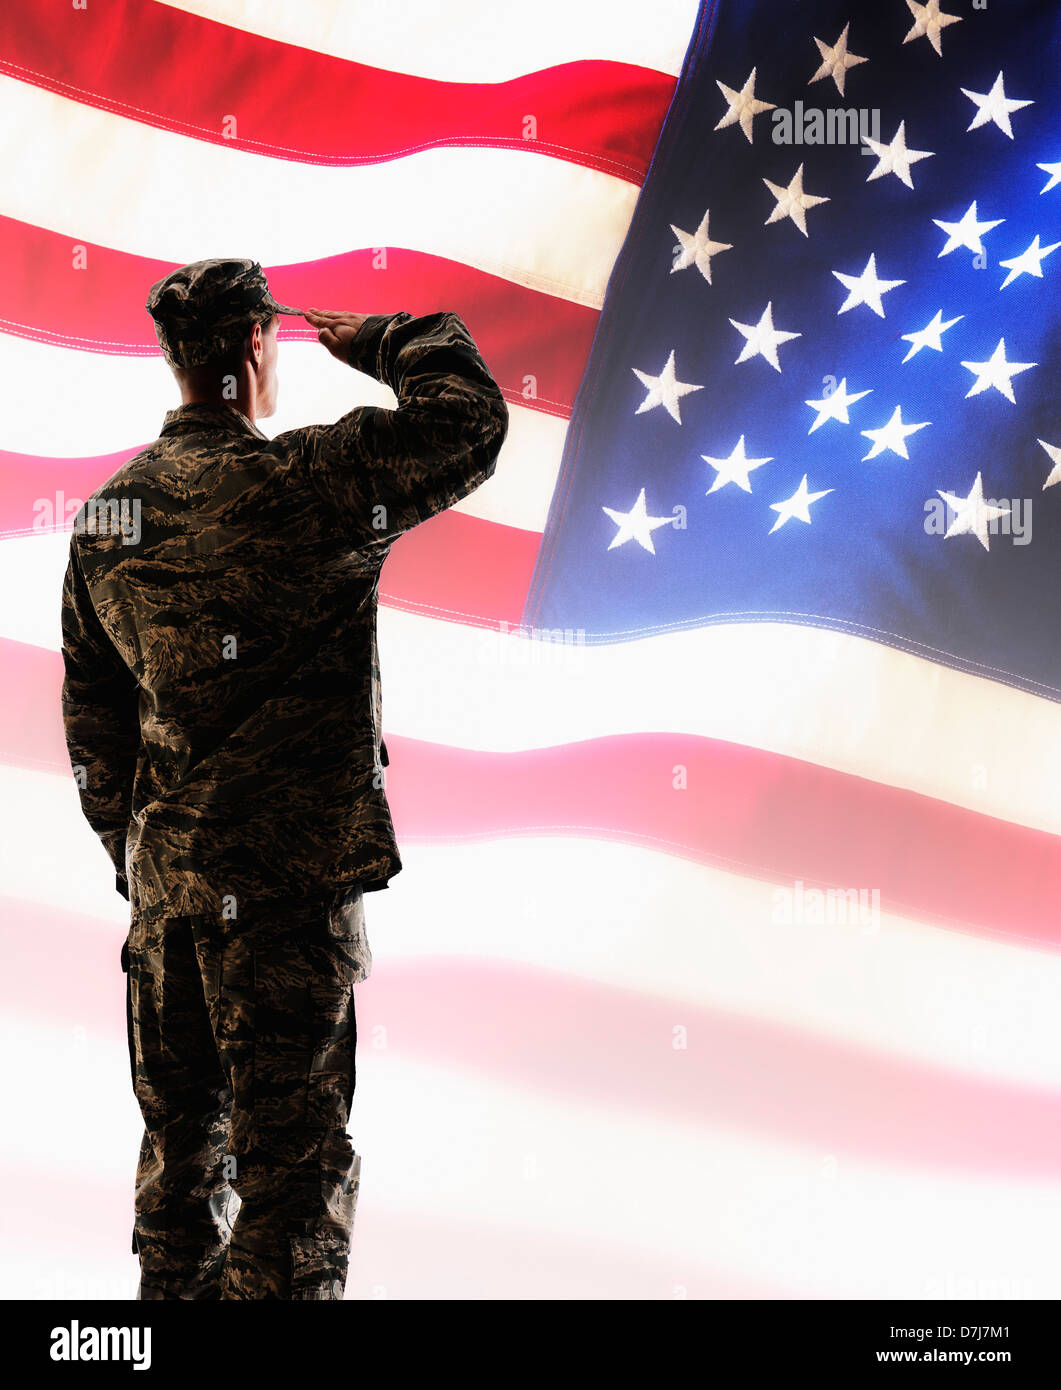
(335, 329)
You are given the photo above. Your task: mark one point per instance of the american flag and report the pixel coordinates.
(723, 721)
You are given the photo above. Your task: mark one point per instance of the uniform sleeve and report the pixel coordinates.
(384, 471)
(100, 717)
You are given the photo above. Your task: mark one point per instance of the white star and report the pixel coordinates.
(735, 469)
(762, 338)
(665, 390)
(973, 513)
(996, 372)
(1029, 262)
(966, 232)
(834, 406)
(698, 248)
(836, 61)
(892, 436)
(895, 158)
(636, 524)
(798, 505)
(1054, 452)
(930, 335)
(928, 21)
(792, 201)
(865, 288)
(994, 106)
(744, 106)
(1054, 170)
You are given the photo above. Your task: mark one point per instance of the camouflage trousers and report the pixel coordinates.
(242, 1041)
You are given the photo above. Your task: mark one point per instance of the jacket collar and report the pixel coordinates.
(198, 416)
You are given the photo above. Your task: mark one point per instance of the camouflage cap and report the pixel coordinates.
(204, 308)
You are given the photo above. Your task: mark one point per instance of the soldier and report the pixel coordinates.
(222, 709)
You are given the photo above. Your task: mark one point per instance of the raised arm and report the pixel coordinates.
(384, 471)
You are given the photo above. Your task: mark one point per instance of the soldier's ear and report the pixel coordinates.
(256, 343)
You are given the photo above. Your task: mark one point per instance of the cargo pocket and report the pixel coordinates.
(318, 1268)
(346, 924)
(341, 961)
(332, 1074)
(302, 1020)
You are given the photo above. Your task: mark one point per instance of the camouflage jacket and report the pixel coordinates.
(222, 699)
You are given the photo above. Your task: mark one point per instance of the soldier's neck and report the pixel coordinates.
(243, 401)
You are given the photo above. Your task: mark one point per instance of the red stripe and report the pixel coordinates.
(59, 289)
(599, 1044)
(292, 103)
(745, 810)
(436, 569)
(40, 494)
(463, 569)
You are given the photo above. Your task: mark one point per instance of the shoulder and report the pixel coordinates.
(133, 470)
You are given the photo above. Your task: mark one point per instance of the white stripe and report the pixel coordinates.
(925, 728)
(32, 568)
(533, 1165)
(641, 921)
(79, 418)
(532, 219)
(469, 40)
(924, 731)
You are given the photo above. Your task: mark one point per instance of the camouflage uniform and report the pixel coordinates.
(243, 1056)
(222, 706)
